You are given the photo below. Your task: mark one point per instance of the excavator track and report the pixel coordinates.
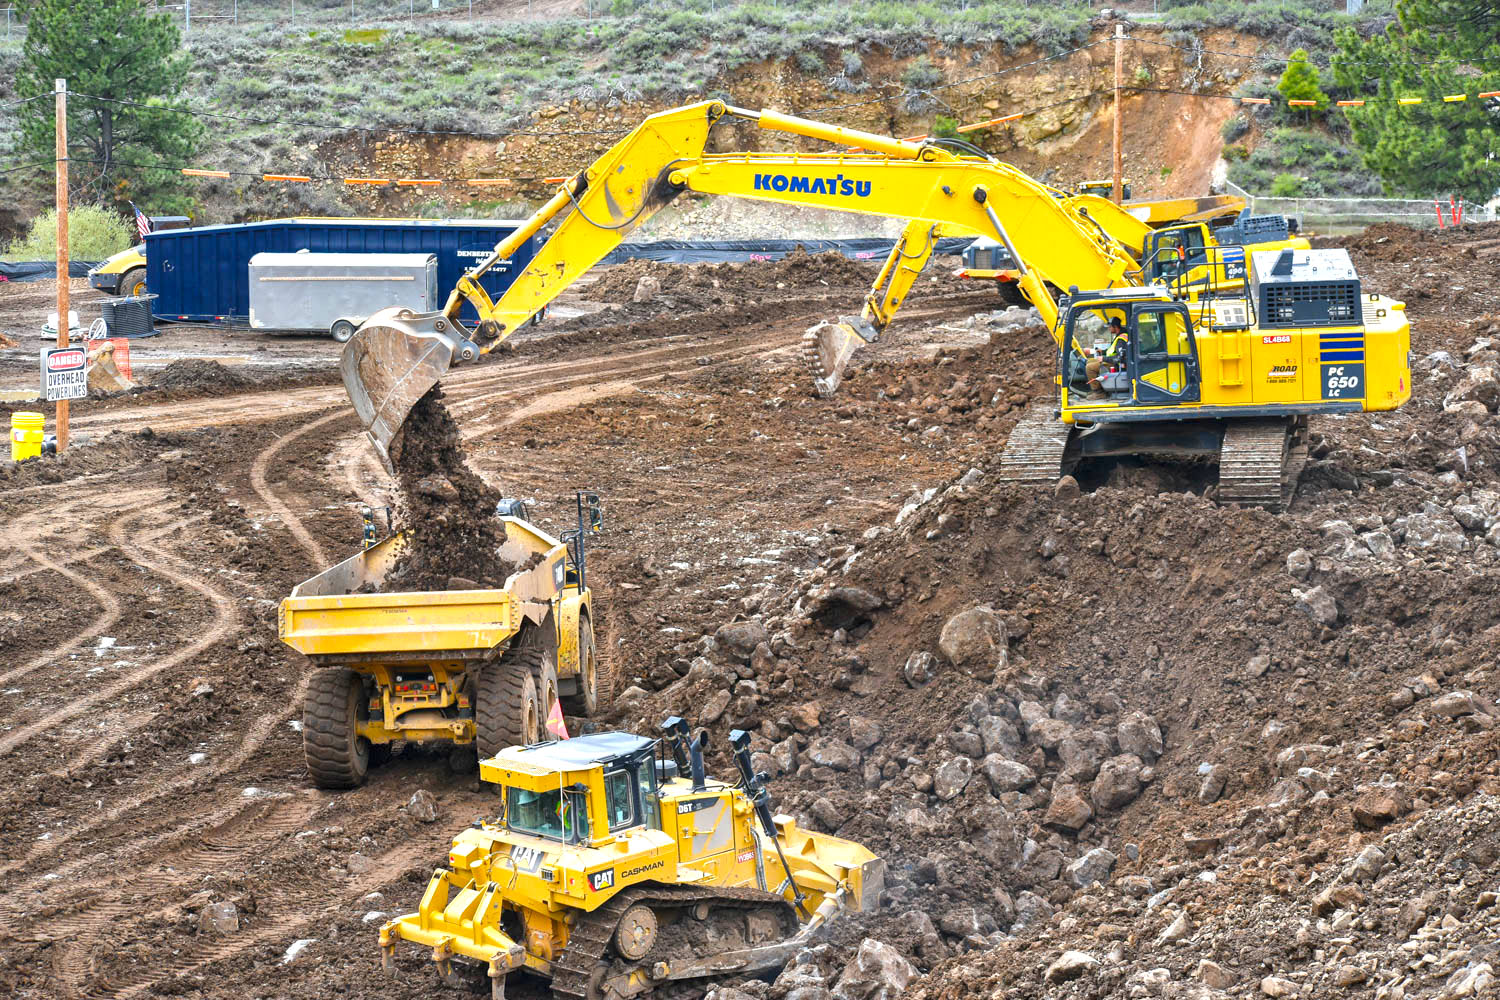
(1037, 448)
(1261, 461)
(575, 972)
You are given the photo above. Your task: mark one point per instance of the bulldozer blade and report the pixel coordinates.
(827, 347)
(392, 360)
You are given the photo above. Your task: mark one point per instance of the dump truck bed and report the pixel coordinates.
(340, 615)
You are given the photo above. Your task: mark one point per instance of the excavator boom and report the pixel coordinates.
(397, 356)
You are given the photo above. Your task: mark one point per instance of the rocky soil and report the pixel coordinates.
(1112, 739)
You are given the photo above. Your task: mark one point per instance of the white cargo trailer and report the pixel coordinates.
(337, 291)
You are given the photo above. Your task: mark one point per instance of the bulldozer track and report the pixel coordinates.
(129, 898)
(1037, 447)
(589, 938)
(1260, 463)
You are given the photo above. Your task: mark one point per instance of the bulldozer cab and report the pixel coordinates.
(586, 790)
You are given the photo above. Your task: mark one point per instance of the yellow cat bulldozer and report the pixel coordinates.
(613, 869)
(1231, 372)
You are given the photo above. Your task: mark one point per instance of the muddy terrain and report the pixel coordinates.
(1113, 741)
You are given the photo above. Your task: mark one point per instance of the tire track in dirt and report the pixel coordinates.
(225, 617)
(88, 555)
(109, 606)
(283, 512)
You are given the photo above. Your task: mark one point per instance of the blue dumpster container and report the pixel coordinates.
(202, 275)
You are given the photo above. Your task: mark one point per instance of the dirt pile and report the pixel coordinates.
(196, 374)
(448, 512)
(1131, 724)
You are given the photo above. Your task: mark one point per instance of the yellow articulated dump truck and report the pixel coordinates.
(481, 669)
(614, 870)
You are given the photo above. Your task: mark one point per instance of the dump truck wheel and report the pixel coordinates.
(342, 331)
(337, 756)
(133, 281)
(544, 673)
(593, 687)
(507, 711)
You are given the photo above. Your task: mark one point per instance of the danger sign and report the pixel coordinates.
(64, 373)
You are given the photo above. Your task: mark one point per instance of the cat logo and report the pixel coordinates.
(526, 859)
(1281, 373)
(599, 881)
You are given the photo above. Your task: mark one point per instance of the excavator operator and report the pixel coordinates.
(1114, 354)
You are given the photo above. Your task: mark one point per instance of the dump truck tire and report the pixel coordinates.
(594, 688)
(133, 281)
(337, 756)
(544, 674)
(507, 710)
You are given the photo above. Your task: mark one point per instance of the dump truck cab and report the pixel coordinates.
(602, 848)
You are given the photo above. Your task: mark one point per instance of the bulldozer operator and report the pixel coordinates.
(1113, 354)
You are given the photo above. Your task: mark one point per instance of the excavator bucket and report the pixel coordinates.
(827, 347)
(391, 362)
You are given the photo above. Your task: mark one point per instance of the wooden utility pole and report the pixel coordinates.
(1117, 189)
(60, 90)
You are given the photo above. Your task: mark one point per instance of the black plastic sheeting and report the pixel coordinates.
(712, 251)
(36, 270)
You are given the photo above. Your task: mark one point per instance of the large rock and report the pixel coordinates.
(1068, 808)
(952, 777)
(646, 289)
(1081, 753)
(1094, 866)
(1049, 733)
(1455, 704)
(1378, 805)
(975, 640)
(1480, 385)
(826, 751)
(998, 735)
(1071, 965)
(1118, 783)
(1317, 604)
(219, 918)
(1006, 775)
(878, 972)
(920, 668)
(739, 639)
(422, 806)
(863, 733)
(1435, 531)
(1139, 734)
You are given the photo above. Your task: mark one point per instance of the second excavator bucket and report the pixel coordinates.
(827, 347)
(392, 360)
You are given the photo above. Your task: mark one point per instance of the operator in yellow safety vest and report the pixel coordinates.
(1114, 354)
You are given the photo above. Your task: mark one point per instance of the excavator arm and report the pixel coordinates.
(397, 355)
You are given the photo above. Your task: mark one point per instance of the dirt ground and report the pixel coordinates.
(1144, 644)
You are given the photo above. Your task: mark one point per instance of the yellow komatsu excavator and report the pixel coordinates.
(1234, 374)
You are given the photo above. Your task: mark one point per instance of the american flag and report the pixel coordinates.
(142, 221)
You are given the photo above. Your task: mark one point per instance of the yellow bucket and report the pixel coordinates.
(26, 430)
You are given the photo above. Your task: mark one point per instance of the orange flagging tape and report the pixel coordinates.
(284, 177)
(486, 181)
(1351, 104)
(1303, 104)
(1255, 100)
(553, 180)
(192, 172)
(1489, 93)
(418, 182)
(993, 121)
(367, 180)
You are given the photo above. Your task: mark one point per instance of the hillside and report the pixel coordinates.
(519, 93)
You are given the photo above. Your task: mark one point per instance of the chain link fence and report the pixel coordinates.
(1341, 216)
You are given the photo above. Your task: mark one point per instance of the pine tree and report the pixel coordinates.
(120, 51)
(1434, 48)
(1299, 82)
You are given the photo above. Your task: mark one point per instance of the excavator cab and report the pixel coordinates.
(1159, 365)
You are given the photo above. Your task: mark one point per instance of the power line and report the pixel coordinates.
(28, 166)
(25, 100)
